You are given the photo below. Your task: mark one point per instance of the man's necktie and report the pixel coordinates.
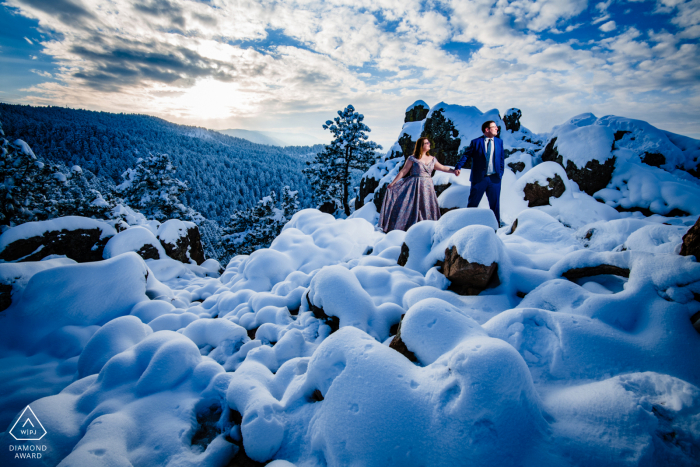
(488, 155)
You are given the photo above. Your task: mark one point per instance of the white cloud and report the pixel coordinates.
(607, 27)
(290, 65)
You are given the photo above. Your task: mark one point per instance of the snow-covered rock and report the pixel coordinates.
(137, 239)
(181, 241)
(79, 238)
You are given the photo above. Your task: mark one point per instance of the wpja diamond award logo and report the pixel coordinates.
(28, 428)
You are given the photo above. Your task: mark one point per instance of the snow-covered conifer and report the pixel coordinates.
(33, 190)
(330, 173)
(152, 188)
(251, 229)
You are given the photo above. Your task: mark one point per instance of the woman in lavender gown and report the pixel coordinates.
(412, 199)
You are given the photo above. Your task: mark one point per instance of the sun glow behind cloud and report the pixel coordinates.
(270, 64)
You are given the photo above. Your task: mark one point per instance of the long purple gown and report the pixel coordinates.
(412, 199)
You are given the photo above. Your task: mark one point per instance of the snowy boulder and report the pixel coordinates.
(80, 238)
(471, 259)
(433, 327)
(138, 239)
(111, 339)
(15, 276)
(542, 182)
(416, 112)
(77, 295)
(585, 153)
(337, 297)
(691, 242)
(585, 263)
(181, 241)
(425, 242)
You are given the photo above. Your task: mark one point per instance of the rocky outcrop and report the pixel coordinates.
(512, 119)
(367, 186)
(691, 242)
(399, 345)
(591, 178)
(537, 195)
(186, 246)
(467, 278)
(579, 273)
(81, 245)
(416, 113)
(443, 138)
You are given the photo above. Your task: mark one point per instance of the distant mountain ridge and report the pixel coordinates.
(273, 138)
(225, 173)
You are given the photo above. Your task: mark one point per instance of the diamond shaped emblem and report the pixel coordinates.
(28, 427)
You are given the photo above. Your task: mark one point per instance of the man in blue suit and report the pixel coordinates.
(488, 164)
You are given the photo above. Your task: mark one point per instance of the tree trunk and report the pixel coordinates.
(346, 206)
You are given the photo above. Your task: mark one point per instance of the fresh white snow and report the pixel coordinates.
(156, 362)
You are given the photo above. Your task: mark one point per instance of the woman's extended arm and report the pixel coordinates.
(442, 168)
(402, 173)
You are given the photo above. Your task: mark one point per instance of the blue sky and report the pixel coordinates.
(288, 66)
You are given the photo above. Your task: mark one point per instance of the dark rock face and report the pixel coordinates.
(620, 134)
(367, 186)
(467, 278)
(5, 296)
(416, 114)
(443, 138)
(592, 177)
(403, 256)
(654, 159)
(691, 242)
(537, 195)
(81, 245)
(191, 241)
(148, 252)
(332, 321)
(379, 197)
(516, 166)
(399, 345)
(512, 119)
(579, 273)
(407, 145)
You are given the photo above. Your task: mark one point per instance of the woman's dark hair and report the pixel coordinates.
(419, 146)
(485, 125)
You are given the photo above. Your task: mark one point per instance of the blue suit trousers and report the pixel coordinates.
(491, 185)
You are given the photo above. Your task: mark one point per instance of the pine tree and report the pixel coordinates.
(330, 173)
(152, 188)
(254, 228)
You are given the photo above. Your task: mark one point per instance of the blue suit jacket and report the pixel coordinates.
(477, 152)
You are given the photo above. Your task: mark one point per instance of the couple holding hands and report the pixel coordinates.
(412, 199)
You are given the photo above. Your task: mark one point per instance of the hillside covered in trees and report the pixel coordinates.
(224, 173)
